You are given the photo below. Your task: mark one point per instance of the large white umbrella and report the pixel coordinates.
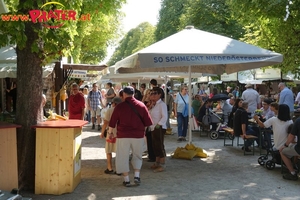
(8, 63)
(193, 50)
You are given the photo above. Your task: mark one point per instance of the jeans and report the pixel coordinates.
(168, 121)
(182, 124)
(88, 116)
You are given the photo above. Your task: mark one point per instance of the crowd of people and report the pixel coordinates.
(135, 117)
(131, 118)
(275, 117)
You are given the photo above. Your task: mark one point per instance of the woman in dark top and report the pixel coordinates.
(237, 104)
(202, 111)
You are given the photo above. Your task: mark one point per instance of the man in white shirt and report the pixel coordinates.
(251, 96)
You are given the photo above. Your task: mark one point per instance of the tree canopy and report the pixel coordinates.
(265, 26)
(135, 40)
(86, 40)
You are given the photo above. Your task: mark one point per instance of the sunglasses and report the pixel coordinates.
(153, 93)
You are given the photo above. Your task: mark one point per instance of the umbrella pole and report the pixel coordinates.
(190, 104)
(165, 91)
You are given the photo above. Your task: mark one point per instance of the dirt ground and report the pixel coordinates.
(225, 174)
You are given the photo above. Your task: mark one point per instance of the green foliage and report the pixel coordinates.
(90, 47)
(265, 26)
(212, 16)
(169, 18)
(85, 40)
(135, 40)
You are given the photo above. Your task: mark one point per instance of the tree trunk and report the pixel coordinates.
(28, 112)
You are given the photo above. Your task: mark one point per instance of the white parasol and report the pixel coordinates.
(192, 50)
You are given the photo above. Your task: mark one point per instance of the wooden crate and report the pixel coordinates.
(58, 160)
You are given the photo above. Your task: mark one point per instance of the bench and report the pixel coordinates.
(203, 129)
(246, 138)
(228, 131)
(250, 138)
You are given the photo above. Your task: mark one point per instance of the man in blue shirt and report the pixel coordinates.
(286, 97)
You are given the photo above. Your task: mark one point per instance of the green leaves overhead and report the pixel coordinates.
(265, 26)
(86, 39)
(135, 40)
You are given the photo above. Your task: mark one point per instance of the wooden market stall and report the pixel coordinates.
(8, 156)
(58, 156)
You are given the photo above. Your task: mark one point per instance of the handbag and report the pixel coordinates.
(105, 133)
(185, 111)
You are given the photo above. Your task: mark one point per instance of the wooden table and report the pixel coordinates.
(8, 156)
(58, 156)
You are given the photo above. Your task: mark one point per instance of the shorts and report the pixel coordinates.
(290, 151)
(103, 111)
(124, 146)
(110, 147)
(97, 112)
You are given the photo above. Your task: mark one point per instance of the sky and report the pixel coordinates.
(136, 12)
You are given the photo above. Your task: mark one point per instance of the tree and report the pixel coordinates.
(36, 45)
(135, 40)
(169, 18)
(91, 44)
(265, 26)
(213, 16)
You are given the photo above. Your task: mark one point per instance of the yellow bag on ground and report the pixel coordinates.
(200, 153)
(189, 147)
(175, 153)
(184, 154)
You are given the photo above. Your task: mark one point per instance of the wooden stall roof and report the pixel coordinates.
(85, 67)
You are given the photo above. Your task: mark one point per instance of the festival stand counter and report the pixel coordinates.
(58, 156)
(8, 156)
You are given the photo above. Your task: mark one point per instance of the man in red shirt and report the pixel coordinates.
(131, 118)
(76, 103)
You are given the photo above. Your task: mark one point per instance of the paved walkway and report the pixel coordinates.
(225, 174)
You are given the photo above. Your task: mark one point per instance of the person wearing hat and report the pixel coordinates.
(252, 97)
(131, 117)
(110, 145)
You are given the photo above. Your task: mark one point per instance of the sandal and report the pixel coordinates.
(107, 171)
(154, 166)
(159, 169)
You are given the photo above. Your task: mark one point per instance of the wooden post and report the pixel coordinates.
(58, 85)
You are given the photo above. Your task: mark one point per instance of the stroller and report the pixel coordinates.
(211, 118)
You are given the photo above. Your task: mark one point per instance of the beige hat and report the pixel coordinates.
(248, 85)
